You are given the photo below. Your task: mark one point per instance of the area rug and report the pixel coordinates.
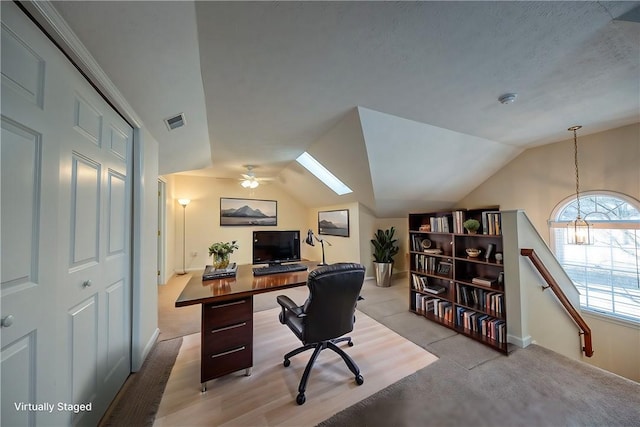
(137, 402)
(267, 397)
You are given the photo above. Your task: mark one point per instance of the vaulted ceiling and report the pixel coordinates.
(386, 94)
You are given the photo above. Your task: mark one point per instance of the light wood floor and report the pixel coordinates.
(267, 397)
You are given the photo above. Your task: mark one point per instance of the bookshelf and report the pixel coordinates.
(447, 285)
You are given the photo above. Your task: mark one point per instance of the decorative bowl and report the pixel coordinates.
(473, 252)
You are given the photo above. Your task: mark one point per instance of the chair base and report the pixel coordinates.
(318, 347)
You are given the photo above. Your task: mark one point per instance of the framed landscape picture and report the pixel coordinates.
(334, 223)
(248, 212)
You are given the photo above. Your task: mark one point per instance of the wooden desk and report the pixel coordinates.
(227, 316)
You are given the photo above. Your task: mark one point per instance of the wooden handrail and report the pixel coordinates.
(551, 282)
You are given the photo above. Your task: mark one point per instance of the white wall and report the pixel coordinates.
(171, 245)
(145, 290)
(538, 179)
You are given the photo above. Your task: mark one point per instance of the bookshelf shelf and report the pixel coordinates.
(471, 298)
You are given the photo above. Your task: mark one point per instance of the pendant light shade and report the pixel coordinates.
(578, 230)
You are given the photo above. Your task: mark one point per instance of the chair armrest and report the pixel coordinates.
(287, 304)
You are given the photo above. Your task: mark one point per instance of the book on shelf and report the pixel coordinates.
(434, 289)
(418, 282)
(439, 224)
(425, 264)
(424, 303)
(458, 220)
(491, 223)
(484, 281)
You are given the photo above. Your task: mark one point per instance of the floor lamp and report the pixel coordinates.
(184, 203)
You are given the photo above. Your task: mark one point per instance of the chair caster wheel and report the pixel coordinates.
(350, 343)
(301, 399)
(359, 379)
(286, 362)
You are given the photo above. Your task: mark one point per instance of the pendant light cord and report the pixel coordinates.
(575, 158)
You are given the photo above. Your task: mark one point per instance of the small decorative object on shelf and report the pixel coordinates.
(489, 252)
(221, 252)
(499, 257)
(471, 225)
(473, 252)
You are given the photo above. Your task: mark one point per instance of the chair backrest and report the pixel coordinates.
(333, 293)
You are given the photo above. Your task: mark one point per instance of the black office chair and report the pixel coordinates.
(325, 317)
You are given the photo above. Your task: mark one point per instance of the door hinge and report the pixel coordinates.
(158, 272)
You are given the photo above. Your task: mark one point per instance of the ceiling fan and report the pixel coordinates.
(249, 179)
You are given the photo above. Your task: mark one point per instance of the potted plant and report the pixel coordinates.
(384, 249)
(471, 225)
(221, 252)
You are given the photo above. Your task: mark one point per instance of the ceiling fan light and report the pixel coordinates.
(250, 183)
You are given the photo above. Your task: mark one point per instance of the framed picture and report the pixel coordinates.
(444, 269)
(248, 212)
(334, 223)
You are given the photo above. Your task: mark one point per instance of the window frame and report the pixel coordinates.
(554, 223)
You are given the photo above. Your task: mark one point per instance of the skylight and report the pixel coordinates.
(323, 174)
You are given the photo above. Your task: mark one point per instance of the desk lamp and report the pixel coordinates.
(309, 241)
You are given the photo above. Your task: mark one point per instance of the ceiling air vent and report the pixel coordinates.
(175, 122)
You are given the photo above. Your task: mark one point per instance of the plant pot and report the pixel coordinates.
(220, 261)
(472, 231)
(383, 273)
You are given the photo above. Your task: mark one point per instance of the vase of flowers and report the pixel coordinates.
(221, 252)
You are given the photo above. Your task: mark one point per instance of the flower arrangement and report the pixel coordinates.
(221, 252)
(222, 248)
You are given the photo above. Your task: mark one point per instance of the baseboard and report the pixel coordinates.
(521, 342)
(396, 275)
(137, 362)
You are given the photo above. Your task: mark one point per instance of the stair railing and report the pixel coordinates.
(551, 283)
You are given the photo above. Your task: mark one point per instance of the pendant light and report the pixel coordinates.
(578, 230)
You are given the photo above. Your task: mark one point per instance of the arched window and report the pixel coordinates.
(607, 273)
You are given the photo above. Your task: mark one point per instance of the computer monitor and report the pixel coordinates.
(276, 247)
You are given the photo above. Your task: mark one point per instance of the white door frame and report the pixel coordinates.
(162, 228)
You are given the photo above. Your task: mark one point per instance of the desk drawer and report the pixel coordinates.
(228, 337)
(216, 315)
(223, 363)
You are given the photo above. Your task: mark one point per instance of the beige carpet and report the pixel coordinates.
(137, 402)
(267, 397)
(175, 321)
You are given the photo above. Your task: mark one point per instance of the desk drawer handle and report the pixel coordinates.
(239, 325)
(229, 304)
(228, 352)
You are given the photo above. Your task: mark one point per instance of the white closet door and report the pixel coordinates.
(66, 228)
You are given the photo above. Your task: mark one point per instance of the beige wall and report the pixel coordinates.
(203, 218)
(538, 179)
(342, 249)
(401, 260)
